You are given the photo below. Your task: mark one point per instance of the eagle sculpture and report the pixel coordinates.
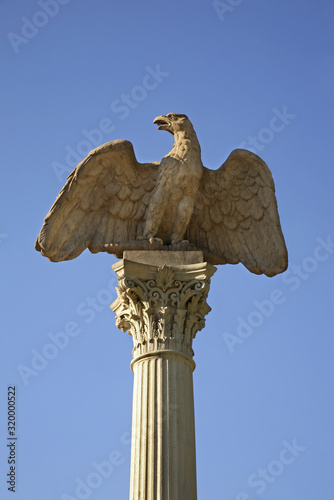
(111, 203)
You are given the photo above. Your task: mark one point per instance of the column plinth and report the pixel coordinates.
(162, 304)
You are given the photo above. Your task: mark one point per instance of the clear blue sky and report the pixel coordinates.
(247, 72)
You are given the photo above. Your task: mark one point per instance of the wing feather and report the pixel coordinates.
(236, 217)
(102, 202)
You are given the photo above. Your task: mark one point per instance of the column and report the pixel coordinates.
(162, 304)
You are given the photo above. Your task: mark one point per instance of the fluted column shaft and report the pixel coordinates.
(163, 306)
(163, 460)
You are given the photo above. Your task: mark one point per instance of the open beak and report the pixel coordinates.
(162, 122)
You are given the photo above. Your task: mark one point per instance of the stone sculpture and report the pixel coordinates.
(111, 203)
(185, 218)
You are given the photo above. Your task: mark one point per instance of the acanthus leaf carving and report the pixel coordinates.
(164, 309)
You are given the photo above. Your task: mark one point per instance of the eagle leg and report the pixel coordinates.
(183, 215)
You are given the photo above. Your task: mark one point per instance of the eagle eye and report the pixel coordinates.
(173, 116)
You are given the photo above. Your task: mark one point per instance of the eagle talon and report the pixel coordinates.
(181, 245)
(153, 240)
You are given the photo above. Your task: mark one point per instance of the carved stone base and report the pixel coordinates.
(163, 307)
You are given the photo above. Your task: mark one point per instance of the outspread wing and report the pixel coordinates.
(235, 218)
(103, 201)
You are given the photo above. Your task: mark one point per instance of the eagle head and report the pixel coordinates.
(173, 122)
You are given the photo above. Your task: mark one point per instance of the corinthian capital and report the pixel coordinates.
(162, 306)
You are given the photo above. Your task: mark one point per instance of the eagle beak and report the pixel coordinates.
(162, 122)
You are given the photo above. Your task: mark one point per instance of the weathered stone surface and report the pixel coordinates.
(163, 307)
(161, 257)
(112, 203)
(163, 449)
(163, 219)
